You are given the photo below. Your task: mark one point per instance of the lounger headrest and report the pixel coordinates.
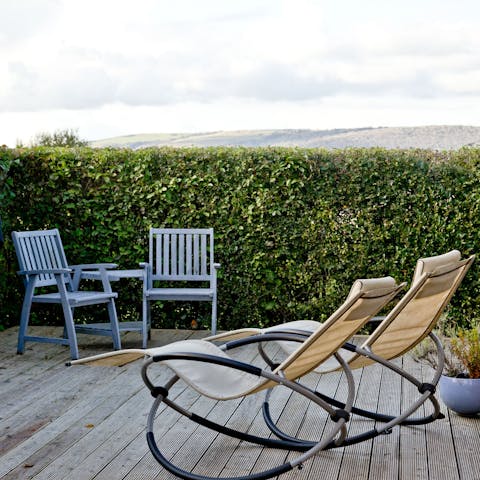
(365, 285)
(430, 264)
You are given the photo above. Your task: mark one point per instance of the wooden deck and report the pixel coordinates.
(88, 423)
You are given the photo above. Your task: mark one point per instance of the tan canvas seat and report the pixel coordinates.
(209, 370)
(412, 319)
(434, 282)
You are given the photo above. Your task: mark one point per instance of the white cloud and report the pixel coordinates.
(219, 65)
(22, 19)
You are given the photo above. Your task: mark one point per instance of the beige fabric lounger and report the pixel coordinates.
(209, 370)
(434, 282)
(413, 318)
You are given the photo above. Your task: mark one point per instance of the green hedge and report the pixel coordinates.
(293, 227)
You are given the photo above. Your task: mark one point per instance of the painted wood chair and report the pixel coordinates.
(179, 255)
(44, 266)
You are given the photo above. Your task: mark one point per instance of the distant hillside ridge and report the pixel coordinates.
(436, 137)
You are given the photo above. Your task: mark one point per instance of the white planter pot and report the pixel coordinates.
(462, 395)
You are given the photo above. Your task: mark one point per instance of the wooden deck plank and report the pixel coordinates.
(356, 458)
(415, 442)
(102, 392)
(467, 445)
(127, 458)
(120, 424)
(325, 465)
(384, 457)
(58, 436)
(188, 453)
(176, 441)
(221, 449)
(109, 447)
(27, 365)
(52, 391)
(36, 364)
(250, 458)
(89, 422)
(308, 421)
(237, 414)
(440, 447)
(43, 406)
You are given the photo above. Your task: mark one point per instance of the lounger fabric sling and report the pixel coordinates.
(414, 317)
(209, 370)
(434, 282)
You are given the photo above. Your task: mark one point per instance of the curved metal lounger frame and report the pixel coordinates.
(160, 393)
(426, 390)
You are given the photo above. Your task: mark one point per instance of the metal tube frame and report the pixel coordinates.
(390, 421)
(336, 436)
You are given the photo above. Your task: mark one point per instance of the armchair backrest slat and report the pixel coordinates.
(40, 250)
(181, 254)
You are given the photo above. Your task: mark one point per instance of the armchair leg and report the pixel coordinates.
(112, 313)
(71, 334)
(214, 316)
(149, 322)
(65, 333)
(25, 315)
(145, 322)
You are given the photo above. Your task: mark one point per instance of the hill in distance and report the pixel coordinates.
(437, 137)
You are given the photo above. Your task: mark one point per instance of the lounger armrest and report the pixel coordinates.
(265, 337)
(293, 331)
(351, 347)
(206, 358)
(233, 335)
(45, 271)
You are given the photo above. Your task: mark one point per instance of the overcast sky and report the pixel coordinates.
(117, 67)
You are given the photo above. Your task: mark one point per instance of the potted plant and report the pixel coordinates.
(461, 393)
(460, 382)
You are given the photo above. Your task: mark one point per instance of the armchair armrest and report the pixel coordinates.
(217, 266)
(45, 271)
(101, 267)
(147, 275)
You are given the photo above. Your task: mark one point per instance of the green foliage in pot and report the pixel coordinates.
(462, 352)
(427, 353)
(466, 347)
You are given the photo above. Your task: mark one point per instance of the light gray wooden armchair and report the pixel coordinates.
(179, 255)
(43, 265)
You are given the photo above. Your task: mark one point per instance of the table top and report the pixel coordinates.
(113, 274)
